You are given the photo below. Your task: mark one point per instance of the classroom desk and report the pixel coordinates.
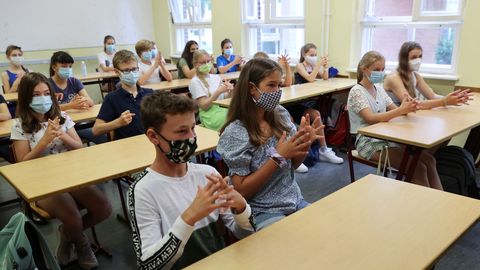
(183, 83)
(55, 174)
(374, 223)
(425, 129)
(299, 92)
(76, 115)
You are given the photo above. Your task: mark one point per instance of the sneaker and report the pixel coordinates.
(86, 258)
(329, 156)
(302, 168)
(65, 250)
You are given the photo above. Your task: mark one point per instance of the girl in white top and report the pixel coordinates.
(105, 58)
(151, 67)
(42, 129)
(407, 81)
(206, 88)
(369, 104)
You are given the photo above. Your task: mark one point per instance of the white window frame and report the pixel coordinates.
(270, 20)
(193, 23)
(417, 20)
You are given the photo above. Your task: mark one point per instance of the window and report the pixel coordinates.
(191, 21)
(435, 24)
(274, 26)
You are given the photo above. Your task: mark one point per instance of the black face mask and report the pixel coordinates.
(180, 150)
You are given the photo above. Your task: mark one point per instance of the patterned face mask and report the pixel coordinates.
(268, 100)
(180, 150)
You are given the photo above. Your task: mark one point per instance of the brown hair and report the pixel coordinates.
(225, 41)
(29, 81)
(143, 45)
(12, 48)
(123, 56)
(243, 108)
(368, 59)
(403, 68)
(107, 37)
(305, 48)
(59, 57)
(261, 54)
(187, 55)
(196, 57)
(155, 108)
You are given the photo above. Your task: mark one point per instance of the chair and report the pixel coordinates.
(352, 154)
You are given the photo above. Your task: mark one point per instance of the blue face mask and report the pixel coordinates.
(110, 48)
(154, 53)
(130, 78)
(41, 104)
(147, 56)
(376, 77)
(228, 51)
(65, 73)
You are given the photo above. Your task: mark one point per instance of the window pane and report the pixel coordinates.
(440, 6)
(275, 40)
(387, 41)
(204, 11)
(180, 11)
(437, 44)
(185, 11)
(386, 8)
(287, 8)
(203, 36)
(254, 10)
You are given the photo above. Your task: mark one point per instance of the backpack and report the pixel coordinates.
(336, 135)
(456, 169)
(23, 247)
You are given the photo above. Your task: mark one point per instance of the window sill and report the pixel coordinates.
(443, 77)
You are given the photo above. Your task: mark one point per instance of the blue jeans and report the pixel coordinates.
(264, 220)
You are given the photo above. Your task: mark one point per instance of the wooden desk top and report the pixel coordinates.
(96, 76)
(55, 174)
(374, 223)
(181, 83)
(427, 128)
(76, 115)
(298, 92)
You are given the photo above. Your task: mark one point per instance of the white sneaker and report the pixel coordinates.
(302, 168)
(329, 156)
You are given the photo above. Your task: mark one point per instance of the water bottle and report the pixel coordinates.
(84, 69)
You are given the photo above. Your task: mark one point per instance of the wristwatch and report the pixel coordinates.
(276, 157)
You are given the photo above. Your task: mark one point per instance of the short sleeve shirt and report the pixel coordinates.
(155, 77)
(105, 59)
(198, 89)
(281, 193)
(115, 103)
(359, 98)
(180, 65)
(55, 147)
(222, 61)
(74, 86)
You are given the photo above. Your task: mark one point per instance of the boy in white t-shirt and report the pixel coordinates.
(151, 63)
(174, 205)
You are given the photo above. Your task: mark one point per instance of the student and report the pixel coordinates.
(311, 66)
(15, 71)
(407, 81)
(150, 67)
(120, 111)
(175, 204)
(369, 104)
(284, 62)
(4, 115)
(261, 145)
(105, 58)
(228, 62)
(308, 69)
(206, 88)
(69, 91)
(41, 130)
(185, 65)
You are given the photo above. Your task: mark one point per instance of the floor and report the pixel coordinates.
(320, 181)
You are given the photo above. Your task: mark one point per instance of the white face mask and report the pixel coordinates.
(16, 60)
(414, 64)
(312, 60)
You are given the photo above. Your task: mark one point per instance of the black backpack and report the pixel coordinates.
(456, 168)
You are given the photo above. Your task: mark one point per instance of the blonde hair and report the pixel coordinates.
(261, 54)
(143, 45)
(367, 60)
(122, 57)
(195, 59)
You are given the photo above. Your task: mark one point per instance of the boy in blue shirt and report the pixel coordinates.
(120, 111)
